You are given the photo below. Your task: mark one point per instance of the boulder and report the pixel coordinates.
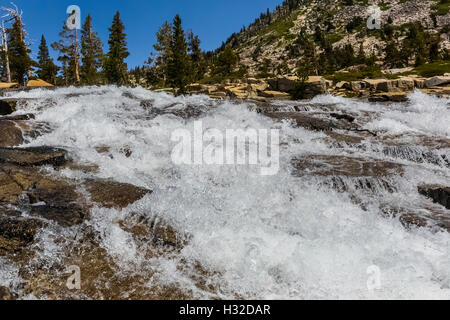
(283, 83)
(406, 84)
(387, 86)
(439, 194)
(212, 89)
(437, 81)
(35, 156)
(437, 91)
(156, 231)
(257, 87)
(194, 87)
(273, 83)
(10, 190)
(312, 122)
(419, 83)
(10, 105)
(5, 294)
(275, 95)
(17, 233)
(111, 194)
(398, 70)
(187, 112)
(343, 85)
(218, 95)
(316, 84)
(41, 195)
(389, 96)
(11, 134)
(237, 92)
(381, 85)
(357, 85)
(372, 84)
(287, 84)
(7, 106)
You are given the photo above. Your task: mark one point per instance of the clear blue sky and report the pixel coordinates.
(212, 20)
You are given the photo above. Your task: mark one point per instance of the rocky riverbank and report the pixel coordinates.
(281, 88)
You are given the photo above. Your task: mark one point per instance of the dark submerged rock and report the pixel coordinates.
(324, 165)
(439, 194)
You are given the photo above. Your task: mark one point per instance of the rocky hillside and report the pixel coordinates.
(266, 45)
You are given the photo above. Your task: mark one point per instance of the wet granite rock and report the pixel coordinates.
(66, 216)
(20, 117)
(11, 105)
(10, 190)
(10, 134)
(325, 165)
(5, 294)
(16, 232)
(389, 96)
(35, 156)
(111, 194)
(312, 122)
(41, 195)
(7, 106)
(439, 194)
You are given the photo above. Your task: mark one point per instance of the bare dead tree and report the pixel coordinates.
(15, 14)
(12, 14)
(5, 52)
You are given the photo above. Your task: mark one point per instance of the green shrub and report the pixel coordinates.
(437, 68)
(369, 72)
(442, 7)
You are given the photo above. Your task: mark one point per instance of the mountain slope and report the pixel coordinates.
(266, 45)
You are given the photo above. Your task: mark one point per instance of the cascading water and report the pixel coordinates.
(293, 235)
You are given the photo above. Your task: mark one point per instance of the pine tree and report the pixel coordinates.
(393, 55)
(226, 62)
(114, 65)
(92, 53)
(47, 70)
(197, 57)
(434, 48)
(178, 64)
(68, 48)
(163, 47)
(20, 61)
(309, 62)
(361, 58)
(415, 44)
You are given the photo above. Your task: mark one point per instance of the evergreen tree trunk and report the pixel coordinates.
(77, 61)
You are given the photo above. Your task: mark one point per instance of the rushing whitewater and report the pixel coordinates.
(286, 236)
